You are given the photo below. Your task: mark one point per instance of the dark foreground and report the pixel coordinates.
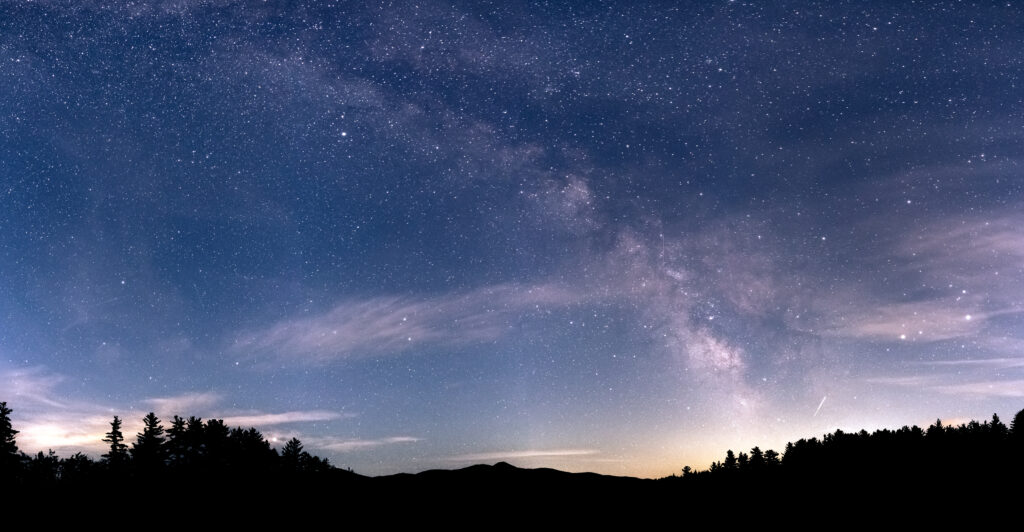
(203, 473)
(484, 495)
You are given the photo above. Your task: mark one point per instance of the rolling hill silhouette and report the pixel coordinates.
(970, 465)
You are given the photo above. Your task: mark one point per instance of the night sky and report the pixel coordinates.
(607, 236)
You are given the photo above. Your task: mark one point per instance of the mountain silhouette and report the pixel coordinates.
(909, 471)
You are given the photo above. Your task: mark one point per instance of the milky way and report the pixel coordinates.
(614, 236)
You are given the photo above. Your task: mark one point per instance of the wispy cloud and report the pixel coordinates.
(528, 453)
(34, 386)
(44, 422)
(53, 436)
(80, 430)
(1002, 363)
(344, 445)
(47, 421)
(261, 420)
(915, 381)
(929, 321)
(204, 404)
(1002, 345)
(44, 419)
(185, 404)
(962, 275)
(970, 251)
(1006, 388)
(389, 325)
(941, 384)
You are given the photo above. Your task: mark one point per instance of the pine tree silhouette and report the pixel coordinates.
(195, 441)
(771, 459)
(117, 457)
(743, 461)
(291, 455)
(215, 436)
(1017, 426)
(999, 430)
(176, 444)
(756, 459)
(730, 463)
(10, 458)
(148, 449)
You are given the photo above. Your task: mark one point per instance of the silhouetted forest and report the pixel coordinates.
(974, 449)
(196, 458)
(186, 451)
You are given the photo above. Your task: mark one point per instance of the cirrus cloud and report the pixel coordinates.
(389, 325)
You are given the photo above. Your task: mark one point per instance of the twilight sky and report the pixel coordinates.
(608, 236)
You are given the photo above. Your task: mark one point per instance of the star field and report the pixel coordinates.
(604, 236)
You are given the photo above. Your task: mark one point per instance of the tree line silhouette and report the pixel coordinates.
(188, 450)
(192, 454)
(971, 453)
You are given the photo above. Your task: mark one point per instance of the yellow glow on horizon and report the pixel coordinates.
(53, 436)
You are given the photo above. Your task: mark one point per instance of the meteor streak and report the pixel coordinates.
(822, 403)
